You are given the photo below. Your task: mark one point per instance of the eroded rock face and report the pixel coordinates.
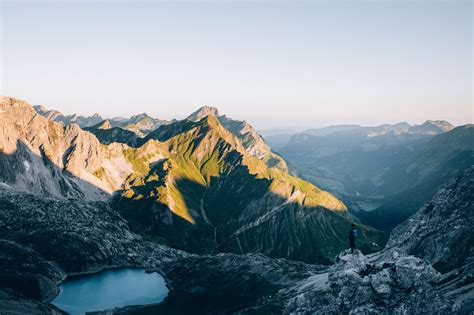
(78, 235)
(12, 302)
(27, 272)
(360, 285)
(441, 232)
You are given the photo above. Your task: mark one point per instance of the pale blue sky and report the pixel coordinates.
(276, 63)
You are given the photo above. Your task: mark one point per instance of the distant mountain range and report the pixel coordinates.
(410, 183)
(280, 138)
(391, 168)
(140, 124)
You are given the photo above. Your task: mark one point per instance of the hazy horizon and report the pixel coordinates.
(274, 64)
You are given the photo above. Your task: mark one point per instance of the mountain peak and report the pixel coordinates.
(103, 125)
(443, 124)
(432, 127)
(40, 109)
(139, 116)
(203, 112)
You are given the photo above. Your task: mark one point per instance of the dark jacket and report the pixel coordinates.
(353, 233)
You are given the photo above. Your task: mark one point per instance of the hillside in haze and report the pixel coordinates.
(392, 169)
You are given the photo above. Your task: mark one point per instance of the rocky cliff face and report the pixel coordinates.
(62, 160)
(440, 232)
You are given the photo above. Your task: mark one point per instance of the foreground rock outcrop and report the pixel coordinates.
(382, 284)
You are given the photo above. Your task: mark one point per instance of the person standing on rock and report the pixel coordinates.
(352, 237)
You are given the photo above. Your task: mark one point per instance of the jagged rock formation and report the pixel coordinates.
(103, 125)
(203, 112)
(441, 233)
(380, 284)
(51, 157)
(140, 124)
(54, 115)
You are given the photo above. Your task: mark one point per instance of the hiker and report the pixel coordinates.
(352, 237)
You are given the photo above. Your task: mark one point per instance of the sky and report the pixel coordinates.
(272, 63)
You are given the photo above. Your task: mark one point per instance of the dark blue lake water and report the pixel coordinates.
(109, 289)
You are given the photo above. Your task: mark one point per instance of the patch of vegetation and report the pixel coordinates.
(99, 173)
(139, 164)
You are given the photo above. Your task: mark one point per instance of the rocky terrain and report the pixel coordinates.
(263, 241)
